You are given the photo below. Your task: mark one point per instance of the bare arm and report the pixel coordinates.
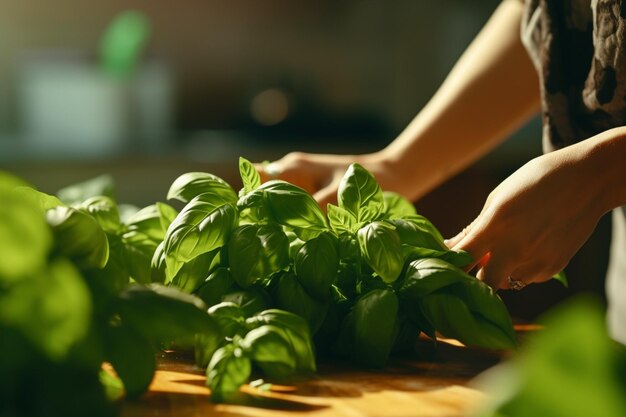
(490, 91)
(536, 220)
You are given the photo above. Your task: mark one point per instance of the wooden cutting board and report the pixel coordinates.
(433, 384)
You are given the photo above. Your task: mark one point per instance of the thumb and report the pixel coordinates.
(268, 170)
(453, 241)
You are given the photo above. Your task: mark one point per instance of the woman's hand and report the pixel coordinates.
(534, 222)
(320, 174)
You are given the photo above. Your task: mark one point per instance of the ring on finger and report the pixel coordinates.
(515, 284)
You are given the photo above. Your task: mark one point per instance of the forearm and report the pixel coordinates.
(602, 167)
(492, 89)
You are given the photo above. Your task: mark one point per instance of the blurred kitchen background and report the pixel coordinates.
(147, 90)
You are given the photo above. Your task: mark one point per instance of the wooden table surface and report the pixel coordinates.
(435, 383)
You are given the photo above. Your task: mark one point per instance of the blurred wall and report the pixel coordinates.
(343, 58)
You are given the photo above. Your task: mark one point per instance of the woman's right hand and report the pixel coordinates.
(320, 174)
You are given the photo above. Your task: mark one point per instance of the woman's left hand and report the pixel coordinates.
(534, 222)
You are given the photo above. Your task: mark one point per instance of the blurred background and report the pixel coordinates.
(147, 90)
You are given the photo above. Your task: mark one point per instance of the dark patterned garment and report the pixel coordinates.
(579, 50)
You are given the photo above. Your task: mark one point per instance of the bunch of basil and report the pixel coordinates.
(366, 278)
(258, 280)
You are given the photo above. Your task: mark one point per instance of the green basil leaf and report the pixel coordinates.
(205, 346)
(229, 317)
(199, 228)
(360, 194)
(114, 277)
(425, 276)
(152, 220)
(133, 358)
(51, 308)
(257, 251)
(486, 305)
(104, 210)
(190, 185)
(417, 232)
(158, 266)
(283, 203)
(162, 314)
(295, 329)
(459, 259)
(267, 347)
(451, 316)
(38, 199)
(422, 223)
(228, 370)
(249, 175)
(25, 238)
(396, 206)
(217, 284)
(103, 185)
(193, 273)
(79, 236)
(251, 300)
(138, 251)
(368, 332)
(381, 249)
(316, 265)
(291, 296)
(341, 220)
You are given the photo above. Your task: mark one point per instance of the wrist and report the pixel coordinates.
(604, 167)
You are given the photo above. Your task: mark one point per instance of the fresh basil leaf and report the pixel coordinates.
(486, 305)
(193, 273)
(114, 277)
(229, 317)
(104, 210)
(341, 220)
(162, 314)
(316, 265)
(25, 238)
(423, 224)
(51, 308)
(415, 232)
(217, 284)
(190, 185)
(249, 175)
(152, 220)
(459, 259)
(425, 276)
(205, 346)
(79, 236)
(283, 203)
(133, 358)
(103, 185)
(199, 228)
(257, 251)
(138, 251)
(295, 329)
(360, 194)
(38, 199)
(228, 370)
(396, 206)
(251, 300)
(451, 316)
(267, 347)
(291, 296)
(368, 331)
(381, 249)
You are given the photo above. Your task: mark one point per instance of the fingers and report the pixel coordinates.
(268, 171)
